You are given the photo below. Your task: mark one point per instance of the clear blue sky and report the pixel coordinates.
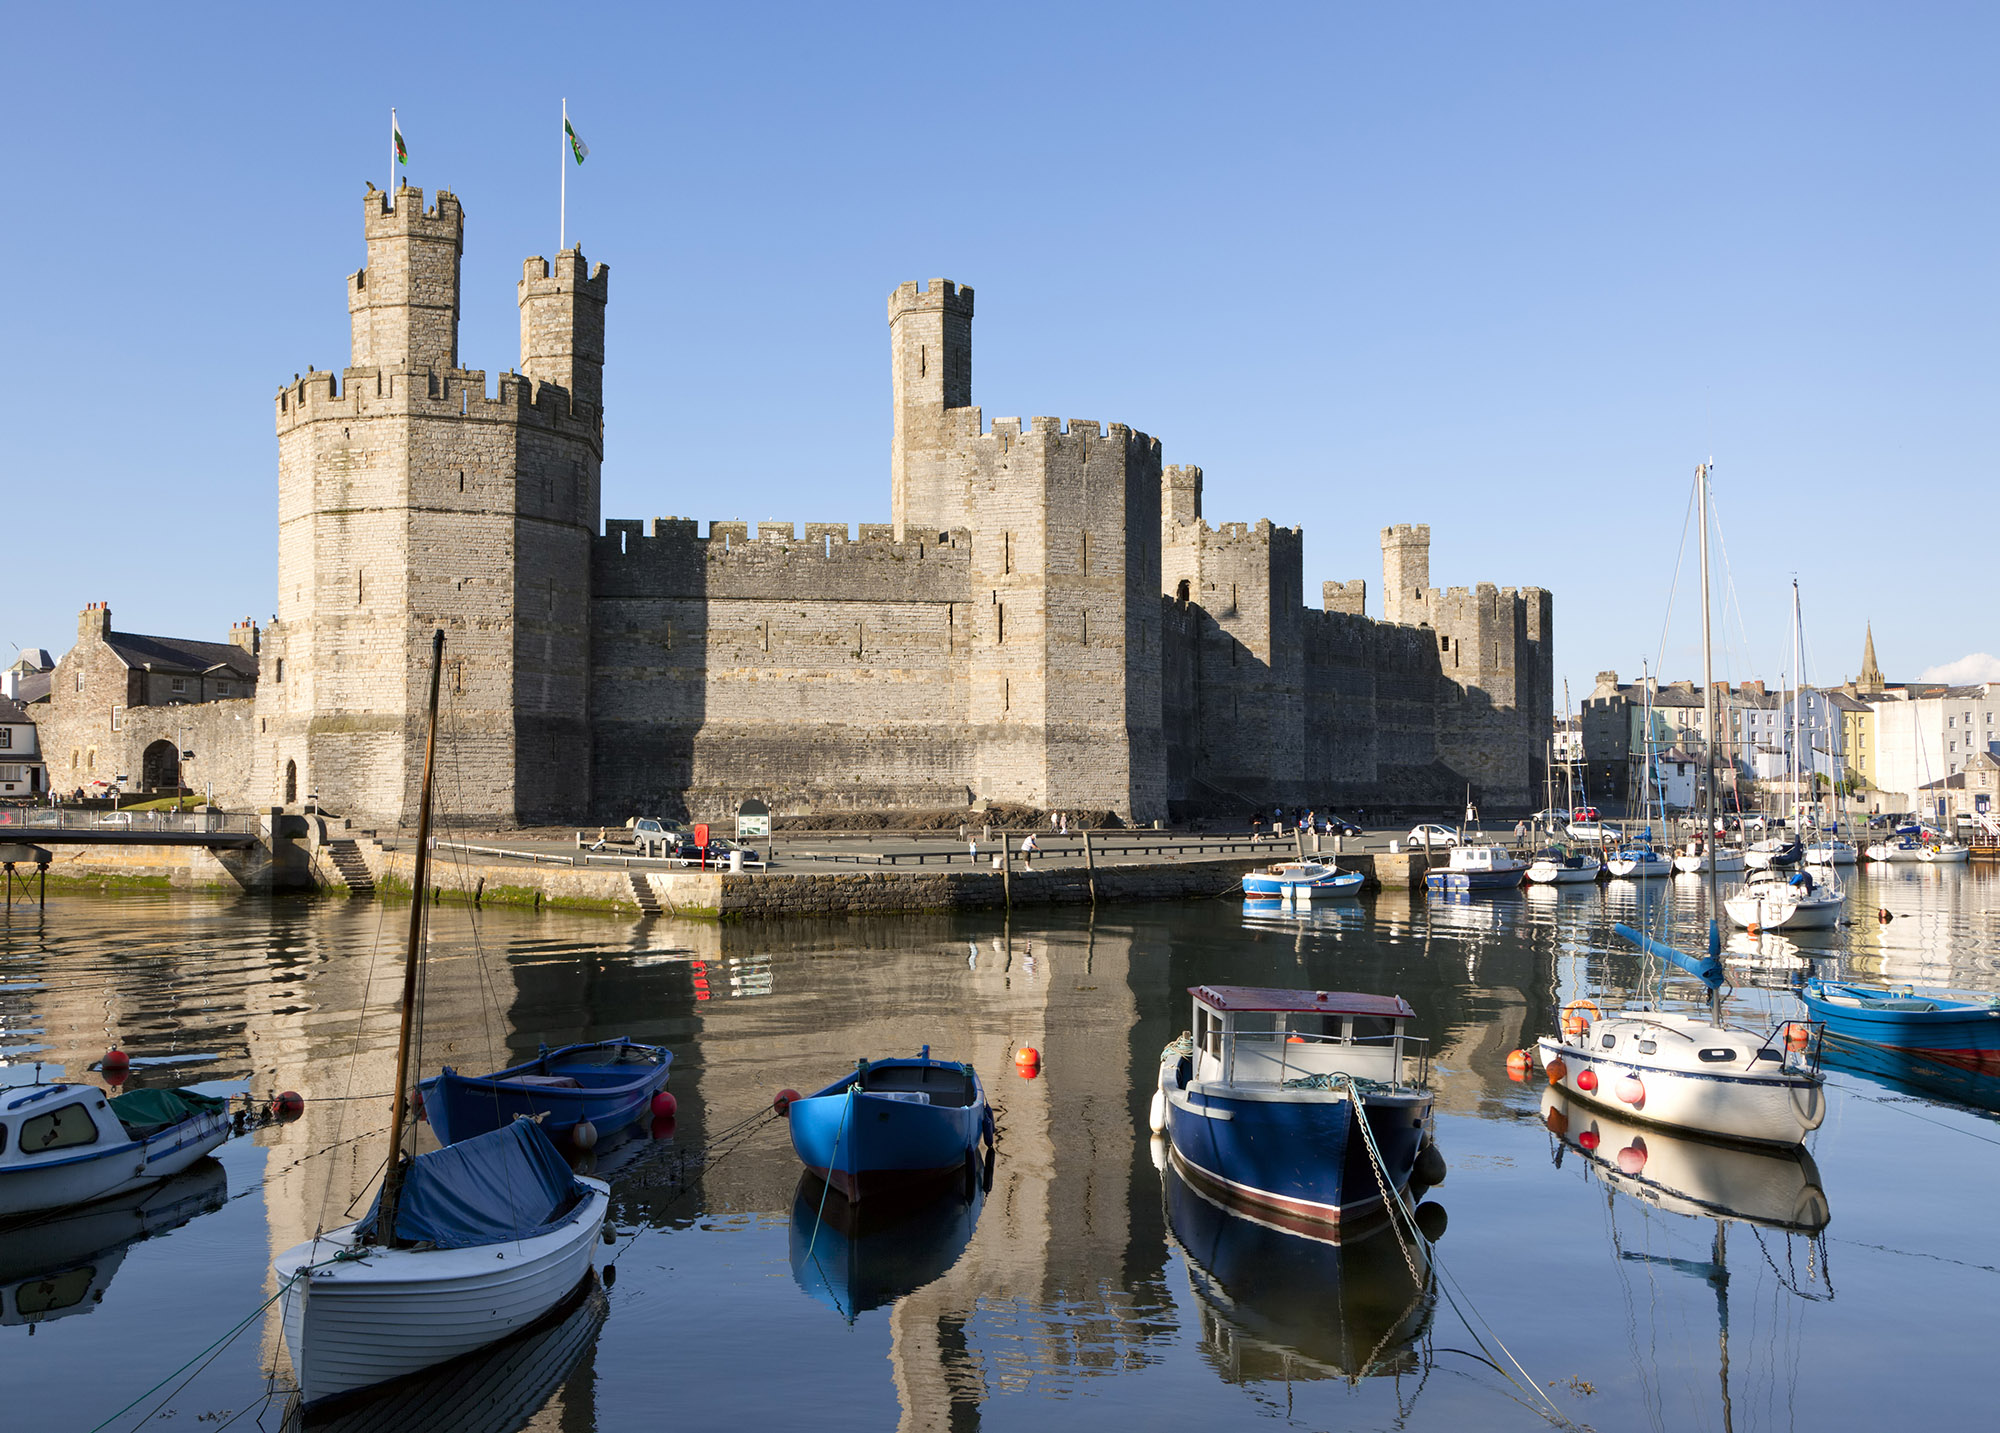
(1511, 270)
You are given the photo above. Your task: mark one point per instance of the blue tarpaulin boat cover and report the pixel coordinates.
(507, 1184)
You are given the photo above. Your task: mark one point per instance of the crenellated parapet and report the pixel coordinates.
(459, 393)
(777, 562)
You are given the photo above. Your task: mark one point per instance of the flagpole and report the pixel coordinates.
(562, 162)
(392, 157)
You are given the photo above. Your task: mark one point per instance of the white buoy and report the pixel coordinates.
(1158, 1118)
(584, 1136)
(1159, 1152)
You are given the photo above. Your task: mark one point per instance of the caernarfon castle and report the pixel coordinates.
(1046, 618)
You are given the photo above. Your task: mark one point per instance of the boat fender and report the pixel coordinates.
(584, 1135)
(1586, 1080)
(783, 1101)
(1797, 1037)
(1431, 1221)
(1632, 1090)
(1430, 1167)
(665, 1106)
(610, 1272)
(610, 1235)
(1557, 1070)
(1157, 1118)
(988, 1128)
(1632, 1158)
(1588, 1141)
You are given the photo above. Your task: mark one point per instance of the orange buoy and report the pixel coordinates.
(1587, 1080)
(1632, 1090)
(1883, 915)
(1632, 1158)
(1797, 1036)
(1519, 1060)
(1557, 1070)
(1027, 1055)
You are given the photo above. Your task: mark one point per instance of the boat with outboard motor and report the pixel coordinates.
(609, 1083)
(1781, 900)
(1701, 857)
(1687, 1071)
(1300, 881)
(890, 1124)
(1259, 1101)
(1954, 1029)
(63, 1145)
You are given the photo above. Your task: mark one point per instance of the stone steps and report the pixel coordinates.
(347, 860)
(642, 892)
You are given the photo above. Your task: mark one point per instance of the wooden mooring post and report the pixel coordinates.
(1090, 866)
(1006, 871)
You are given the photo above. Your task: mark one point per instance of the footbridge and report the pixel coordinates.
(80, 826)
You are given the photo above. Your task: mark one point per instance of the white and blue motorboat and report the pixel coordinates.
(1300, 881)
(64, 1145)
(1305, 1106)
(1638, 862)
(1478, 868)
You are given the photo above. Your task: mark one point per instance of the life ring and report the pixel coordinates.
(1595, 1013)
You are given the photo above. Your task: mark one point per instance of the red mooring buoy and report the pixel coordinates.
(289, 1105)
(115, 1063)
(664, 1106)
(782, 1102)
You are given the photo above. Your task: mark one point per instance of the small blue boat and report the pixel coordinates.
(608, 1082)
(1259, 1102)
(893, 1123)
(1300, 880)
(1960, 1031)
(858, 1257)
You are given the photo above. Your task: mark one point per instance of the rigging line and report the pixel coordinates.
(204, 1358)
(1673, 588)
(353, 1055)
(1899, 1105)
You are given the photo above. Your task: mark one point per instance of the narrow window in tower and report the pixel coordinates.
(923, 360)
(764, 635)
(1006, 552)
(1232, 597)
(1084, 627)
(999, 621)
(1086, 552)
(1006, 694)
(461, 482)
(858, 636)
(358, 589)
(458, 678)
(281, 670)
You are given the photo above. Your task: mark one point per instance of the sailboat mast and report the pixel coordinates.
(1709, 715)
(1798, 697)
(392, 1179)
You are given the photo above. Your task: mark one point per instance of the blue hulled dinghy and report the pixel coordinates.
(610, 1083)
(1309, 1106)
(893, 1123)
(1295, 881)
(1956, 1030)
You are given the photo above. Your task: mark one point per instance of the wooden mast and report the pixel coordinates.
(392, 1178)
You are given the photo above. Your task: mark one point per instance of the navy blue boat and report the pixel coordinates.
(1260, 1102)
(892, 1123)
(608, 1082)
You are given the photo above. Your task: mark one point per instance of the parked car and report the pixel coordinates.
(1341, 826)
(715, 853)
(1433, 835)
(655, 837)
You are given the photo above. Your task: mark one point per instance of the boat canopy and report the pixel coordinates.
(1323, 1002)
(144, 1111)
(507, 1184)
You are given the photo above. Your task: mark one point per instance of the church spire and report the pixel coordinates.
(1870, 679)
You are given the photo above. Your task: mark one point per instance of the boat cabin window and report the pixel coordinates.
(1608, 1041)
(1649, 1047)
(1374, 1028)
(1767, 1053)
(1718, 1056)
(58, 1129)
(1207, 1031)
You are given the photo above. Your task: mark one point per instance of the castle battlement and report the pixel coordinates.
(571, 270)
(940, 294)
(406, 391)
(444, 219)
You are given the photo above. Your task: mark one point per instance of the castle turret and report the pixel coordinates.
(930, 374)
(1180, 494)
(562, 325)
(404, 305)
(1406, 573)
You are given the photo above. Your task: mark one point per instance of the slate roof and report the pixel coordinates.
(13, 711)
(176, 654)
(34, 686)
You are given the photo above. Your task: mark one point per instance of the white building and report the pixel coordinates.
(1928, 734)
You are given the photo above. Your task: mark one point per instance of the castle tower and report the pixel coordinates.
(1406, 573)
(403, 307)
(1870, 680)
(930, 375)
(408, 499)
(1180, 494)
(562, 325)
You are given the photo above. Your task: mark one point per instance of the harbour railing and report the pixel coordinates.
(29, 819)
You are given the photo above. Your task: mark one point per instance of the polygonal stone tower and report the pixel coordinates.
(411, 499)
(930, 373)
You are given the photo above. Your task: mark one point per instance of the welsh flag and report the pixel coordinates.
(396, 134)
(576, 145)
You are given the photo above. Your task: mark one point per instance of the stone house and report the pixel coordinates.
(138, 712)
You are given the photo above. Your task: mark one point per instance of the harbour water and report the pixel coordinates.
(1625, 1280)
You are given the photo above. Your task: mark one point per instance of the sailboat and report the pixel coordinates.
(1639, 859)
(1692, 1072)
(1780, 897)
(464, 1246)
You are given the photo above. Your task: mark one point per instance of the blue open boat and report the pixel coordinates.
(858, 1257)
(1957, 1030)
(1301, 880)
(608, 1082)
(892, 1123)
(1260, 1102)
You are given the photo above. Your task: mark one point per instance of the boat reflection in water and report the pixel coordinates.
(1909, 1073)
(1327, 917)
(498, 1389)
(61, 1264)
(856, 1257)
(1277, 1306)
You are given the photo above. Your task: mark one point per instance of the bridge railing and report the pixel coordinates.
(28, 819)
